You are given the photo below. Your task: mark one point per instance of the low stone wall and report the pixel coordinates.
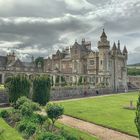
(135, 80)
(60, 94)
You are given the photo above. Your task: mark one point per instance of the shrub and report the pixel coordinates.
(21, 126)
(35, 106)
(37, 118)
(41, 89)
(49, 136)
(23, 99)
(67, 135)
(18, 86)
(26, 109)
(137, 118)
(54, 112)
(30, 129)
(4, 114)
(26, 127)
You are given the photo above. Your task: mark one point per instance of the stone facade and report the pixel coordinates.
(96, 69)
(106, 67)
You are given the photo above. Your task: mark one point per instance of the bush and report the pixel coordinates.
(30, 129)
(18, 86)
(26, 109)
(4, 114)
(41, 90)
(49, 136)
(23, 99)
(22, 125)
(26, 127)
(35, 106)
(54, 112)
(67, 135)
(137, 118)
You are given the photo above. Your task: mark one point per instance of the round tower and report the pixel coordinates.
(103, 46)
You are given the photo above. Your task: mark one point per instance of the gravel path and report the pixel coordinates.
(99, 131)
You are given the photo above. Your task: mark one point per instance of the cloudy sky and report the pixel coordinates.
(40, 27)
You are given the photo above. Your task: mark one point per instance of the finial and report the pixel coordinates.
(75, 40)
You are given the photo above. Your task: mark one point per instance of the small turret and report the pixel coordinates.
(125, 50)
(119, 50)
(83, 41)
(114, 47)
(103, 43)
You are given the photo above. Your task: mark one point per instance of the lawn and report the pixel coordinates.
(9, 132)
(107, 111)
(76, 132)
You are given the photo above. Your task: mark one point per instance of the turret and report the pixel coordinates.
(11, 57)
(125, 52)
(103, 46)
(114, 49)
(119, 50)
(103, 41)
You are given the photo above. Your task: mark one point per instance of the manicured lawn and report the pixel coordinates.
(76, 132)
(107, 111)
(9, 132)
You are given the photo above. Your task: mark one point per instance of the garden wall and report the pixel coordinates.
(60, 93)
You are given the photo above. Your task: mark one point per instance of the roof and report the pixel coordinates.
(103, 34)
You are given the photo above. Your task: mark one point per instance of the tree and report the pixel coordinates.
(41, 89)
(41, 60)
(18, 86)
(54, 112)
(137, 118)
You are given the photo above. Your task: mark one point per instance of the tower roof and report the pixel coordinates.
(114, 46)
(125, 50)
(103, 34)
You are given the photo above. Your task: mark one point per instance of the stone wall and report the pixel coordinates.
(135, 80)
(60, 94)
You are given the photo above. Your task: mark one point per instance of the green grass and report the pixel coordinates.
(9, 132)
(107, 111)
(76, 132)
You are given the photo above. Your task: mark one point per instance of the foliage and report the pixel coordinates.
(68, 136)
(26, 109)
(133, 71)
(18, 86)
(39, 60)
(49, 136)
(26, 127)
(137, 118)
(54, 112)
(41, 89)
(23, 99)
(4, 114)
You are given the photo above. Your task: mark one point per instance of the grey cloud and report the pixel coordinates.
(46, 25)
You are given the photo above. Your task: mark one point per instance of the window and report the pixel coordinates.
(91, 62)
(101, 62)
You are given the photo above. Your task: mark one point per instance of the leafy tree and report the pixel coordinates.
(41, 89)
(54, 112)
(41, 60)
(137, 118)
(18, 86)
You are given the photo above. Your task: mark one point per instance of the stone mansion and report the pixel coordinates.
(106, 67)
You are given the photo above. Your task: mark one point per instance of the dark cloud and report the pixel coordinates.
(41, 27)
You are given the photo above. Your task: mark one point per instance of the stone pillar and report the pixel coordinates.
(60, 80)
(54, 80)
(3, 78)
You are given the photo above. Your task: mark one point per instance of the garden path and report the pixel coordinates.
(100, 132)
